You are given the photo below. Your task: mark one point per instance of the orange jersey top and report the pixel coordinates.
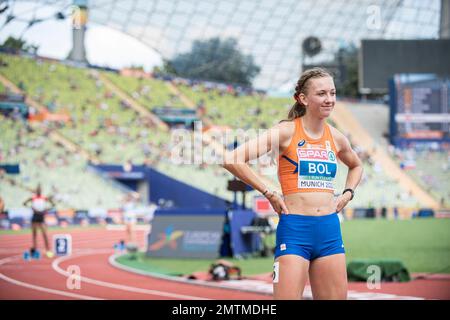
(308, 165)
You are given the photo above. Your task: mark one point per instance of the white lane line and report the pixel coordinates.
(8, 259)
(200, 283)
(122, 227)
(255, 286)
(57, 268)
(39, 288)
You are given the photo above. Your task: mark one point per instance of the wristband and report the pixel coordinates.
(351, 191)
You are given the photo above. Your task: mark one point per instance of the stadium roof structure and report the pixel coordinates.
(272, 31)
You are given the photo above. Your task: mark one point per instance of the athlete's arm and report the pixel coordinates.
(355, 168)
(236, 161)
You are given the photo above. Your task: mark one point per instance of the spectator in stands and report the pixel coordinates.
(309, 238)
(39, 205)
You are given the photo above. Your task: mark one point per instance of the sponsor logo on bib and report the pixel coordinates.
(317, 168)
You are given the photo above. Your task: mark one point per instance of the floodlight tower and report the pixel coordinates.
(79, 21)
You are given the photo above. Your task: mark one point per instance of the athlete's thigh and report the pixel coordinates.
(34, 226)
(43, 227)
(290, 275)
(328, 277)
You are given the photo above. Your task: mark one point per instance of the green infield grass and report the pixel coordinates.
(423, 245)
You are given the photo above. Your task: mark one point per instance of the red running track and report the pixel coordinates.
(49, 278)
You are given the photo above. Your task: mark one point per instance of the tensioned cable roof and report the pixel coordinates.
(270, 30)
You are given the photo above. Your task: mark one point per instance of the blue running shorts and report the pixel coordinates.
(310, 237)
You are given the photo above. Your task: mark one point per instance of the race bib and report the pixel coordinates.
(317, 168)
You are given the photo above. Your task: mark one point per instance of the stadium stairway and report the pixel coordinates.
(187, 101)
(144, 112)
(207, 138)
(173, 88)
(16, 183)
(18, 186)
(56, 136)
(344, 118)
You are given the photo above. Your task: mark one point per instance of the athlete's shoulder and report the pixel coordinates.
(286, 128)
(339, 138)
(286, 125)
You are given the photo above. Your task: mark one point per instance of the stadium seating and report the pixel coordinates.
(101, 124)
(64, 176)
(106, 126)
(430, 169)
(254, 111)
(258, 112)
(148, 92)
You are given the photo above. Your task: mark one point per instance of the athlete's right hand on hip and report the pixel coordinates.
(277, 203)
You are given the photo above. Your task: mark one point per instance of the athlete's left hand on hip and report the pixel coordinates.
(342, 201)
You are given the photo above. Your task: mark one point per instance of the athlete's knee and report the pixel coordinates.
(287, 291)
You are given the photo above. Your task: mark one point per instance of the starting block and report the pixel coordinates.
(62, 244)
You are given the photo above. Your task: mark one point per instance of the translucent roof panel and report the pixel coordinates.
(270, 30)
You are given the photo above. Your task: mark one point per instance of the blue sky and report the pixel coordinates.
(54, 38)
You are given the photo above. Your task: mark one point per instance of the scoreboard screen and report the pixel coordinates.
(419, 108)
(379, 60)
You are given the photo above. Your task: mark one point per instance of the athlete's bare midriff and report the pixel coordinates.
(310, 203)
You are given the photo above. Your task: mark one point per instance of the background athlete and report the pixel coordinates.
(309, 241)
(39, 205)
